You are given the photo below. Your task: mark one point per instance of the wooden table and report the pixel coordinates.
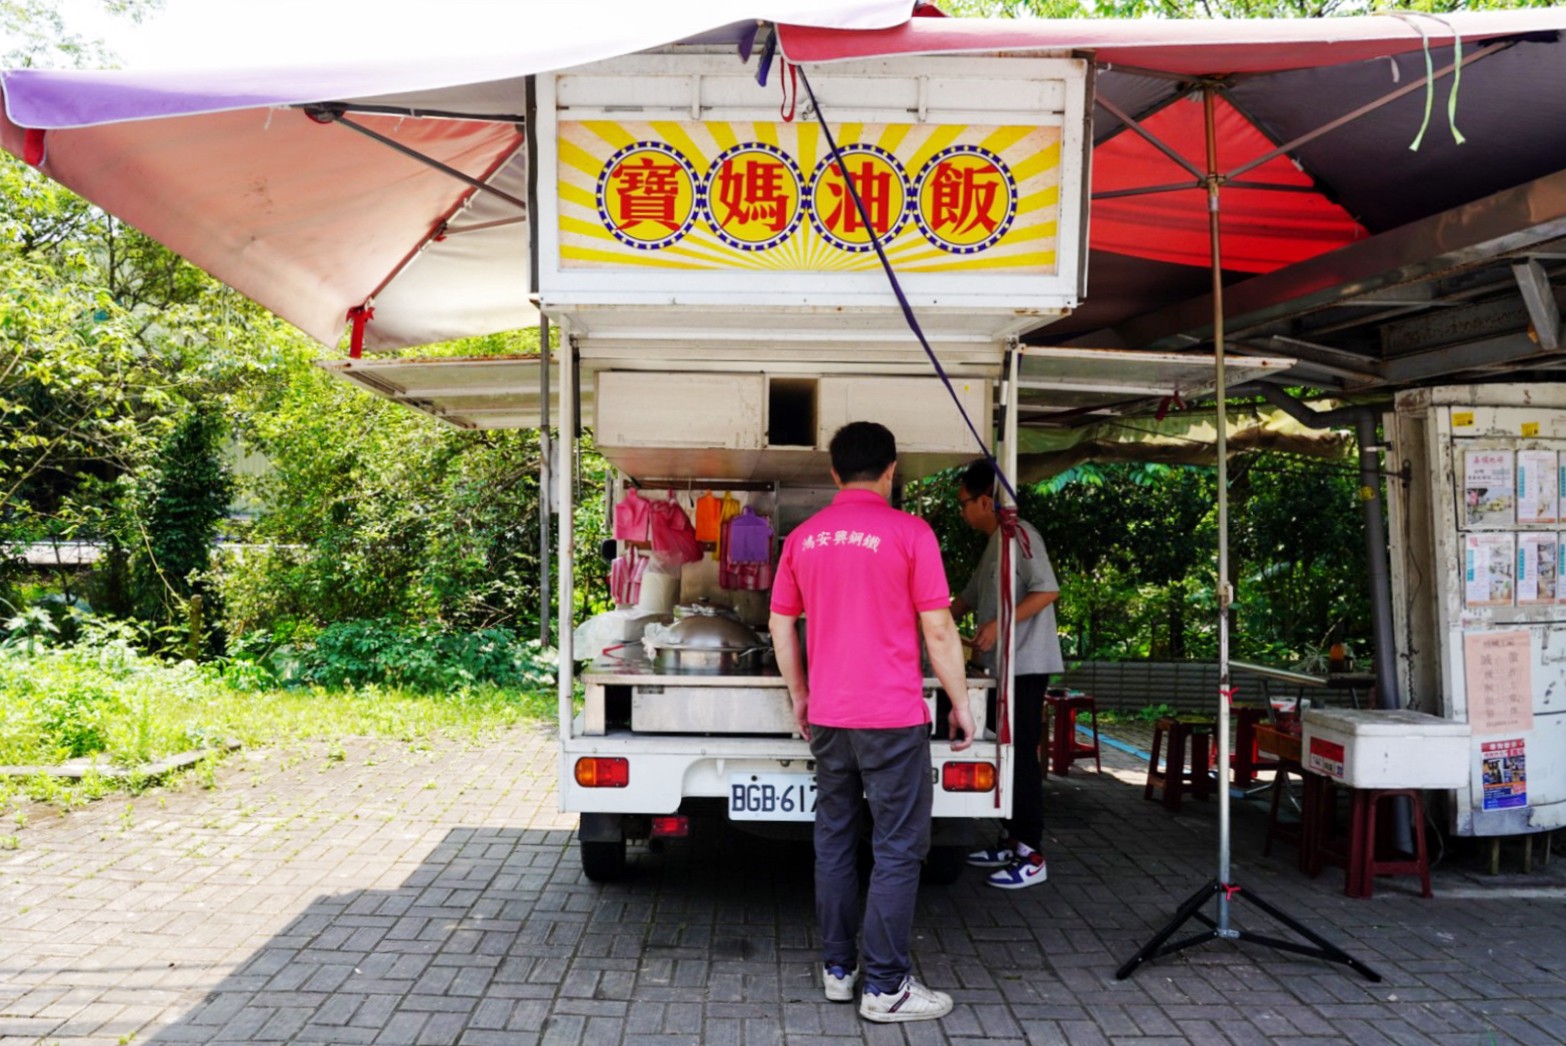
(1286, 747)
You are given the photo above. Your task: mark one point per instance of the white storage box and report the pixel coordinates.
(1385, 748)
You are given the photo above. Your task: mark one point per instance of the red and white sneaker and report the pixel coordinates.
(1021, 873)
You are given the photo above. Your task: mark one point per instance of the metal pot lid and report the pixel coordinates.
(710, 632)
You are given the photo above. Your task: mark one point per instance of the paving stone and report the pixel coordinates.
(310, 900)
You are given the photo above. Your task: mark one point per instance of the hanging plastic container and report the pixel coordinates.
(750, 538)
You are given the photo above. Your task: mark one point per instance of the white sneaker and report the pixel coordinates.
(839, 983)
(1021, 873)
(910, 1002)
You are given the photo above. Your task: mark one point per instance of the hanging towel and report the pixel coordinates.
(750, 538)
(631, 517)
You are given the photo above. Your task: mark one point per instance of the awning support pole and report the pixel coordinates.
(565, 540)
(544, 445)
(323, 114)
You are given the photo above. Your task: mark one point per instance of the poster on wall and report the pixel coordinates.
(1500, 681)
(1488, 562)
(1487, 488)
(1537, 561)
(1560, 567)
(1504, 767)
(1538, 486)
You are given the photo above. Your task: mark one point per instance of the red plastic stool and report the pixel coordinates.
(1064, 748)
(1321, 843)
(1193, 736)
(1363, 864)
(1247, 757)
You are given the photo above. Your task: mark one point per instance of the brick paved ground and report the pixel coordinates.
(432, 895)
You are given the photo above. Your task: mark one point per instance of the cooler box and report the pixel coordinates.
(1385, 748)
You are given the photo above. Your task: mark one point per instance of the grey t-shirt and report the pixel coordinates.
(1038, 644)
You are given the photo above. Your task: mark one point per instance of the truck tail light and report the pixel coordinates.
(671, 826)
(598, 771)
(968, 777)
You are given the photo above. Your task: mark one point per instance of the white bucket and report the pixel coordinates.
(660, 592)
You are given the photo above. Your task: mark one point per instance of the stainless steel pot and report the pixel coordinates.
(720, 662)
(706, 641)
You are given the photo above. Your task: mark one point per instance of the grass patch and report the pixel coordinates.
(1148, 714)
(107, 701)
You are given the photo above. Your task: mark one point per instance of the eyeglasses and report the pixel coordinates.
(963, 499)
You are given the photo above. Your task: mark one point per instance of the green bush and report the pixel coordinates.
(96, 698)
(420, 657)
(104, 699)
(73, 720)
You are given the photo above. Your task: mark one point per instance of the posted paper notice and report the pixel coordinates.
(1505, 770)
(1499, 673)
(1487, 488)
(1488, 562)
(1538, 486)
(1536, 568)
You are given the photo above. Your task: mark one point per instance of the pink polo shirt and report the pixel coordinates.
(861, 572)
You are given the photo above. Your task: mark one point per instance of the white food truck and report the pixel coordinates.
(721, 311)
(717, 285)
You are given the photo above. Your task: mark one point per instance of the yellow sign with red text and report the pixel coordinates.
(759, 196)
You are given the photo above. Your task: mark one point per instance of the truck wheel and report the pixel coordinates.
(943, 865)
(603, 862)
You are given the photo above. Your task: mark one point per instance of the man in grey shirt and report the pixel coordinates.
(1018, 858)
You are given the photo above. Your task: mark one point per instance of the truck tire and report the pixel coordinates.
(944, 865)
(603, 862)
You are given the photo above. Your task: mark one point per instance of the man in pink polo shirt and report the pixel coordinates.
(869, 581)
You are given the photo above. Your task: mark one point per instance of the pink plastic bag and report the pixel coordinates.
(625, 578)
(631, 517)
(672, 534)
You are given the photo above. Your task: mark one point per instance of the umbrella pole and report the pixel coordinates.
(1222, 889)
(1225, 589)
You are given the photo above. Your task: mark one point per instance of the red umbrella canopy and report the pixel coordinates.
(1331, 106)
(1271, 217)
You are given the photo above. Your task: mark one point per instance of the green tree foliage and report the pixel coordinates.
(374, 511)
(117, 361)
(1299, 535)
(1134, 547)
(106, 340)
(171, 514)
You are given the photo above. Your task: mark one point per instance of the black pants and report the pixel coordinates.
(1027, 776)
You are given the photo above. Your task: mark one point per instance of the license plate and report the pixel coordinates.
(772, 797)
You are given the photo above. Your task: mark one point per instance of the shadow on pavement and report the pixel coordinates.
(498, 937)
